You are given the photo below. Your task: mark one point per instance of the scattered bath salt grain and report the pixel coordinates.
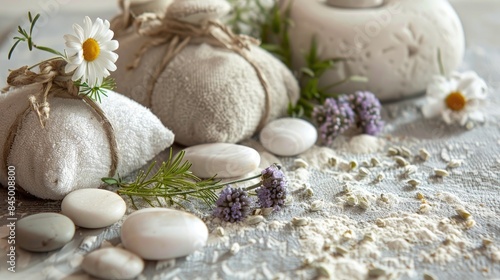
(424, 154)
(470, 223)
(324, 270)
(464, 214)
(401, 161)
(413, 182)
(454, 163)
(300, 163)
(410, 169)
(353, 164)
(428, 276)
(393, 151)
(363, 172)
(419, 195)
(298, 221)
(380, 223)
(376, 272)
(219, 231)
(441, 172)
(424, 208)
(375, 162)
(235, 248)
(256, 219)
(317, 205)
(487, 242)
(333, 161)
(341, 250)
(405, 152)
(351, 200)
(309, 192)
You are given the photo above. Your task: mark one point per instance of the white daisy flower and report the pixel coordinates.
(90, 52)
(458, 99)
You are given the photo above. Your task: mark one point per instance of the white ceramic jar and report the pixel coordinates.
(393, 43)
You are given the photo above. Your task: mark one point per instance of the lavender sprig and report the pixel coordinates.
(333, 118)
(233, 204)
(368, 109)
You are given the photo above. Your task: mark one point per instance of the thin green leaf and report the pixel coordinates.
(33, 23)
(42, 48)
(12, 49)
(110, 181)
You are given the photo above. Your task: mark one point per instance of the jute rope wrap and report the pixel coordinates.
(54, 83)
(176, 35)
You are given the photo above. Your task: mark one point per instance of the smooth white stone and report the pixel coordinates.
(288, 136)
(113, 263)
(224, 159)
(93, 208)
(160, 234)
(394, 45)
(44, 232)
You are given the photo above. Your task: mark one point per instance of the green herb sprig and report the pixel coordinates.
(311, 93)
(28, 38)
(95, 93)
(268, 23)
(174, 182)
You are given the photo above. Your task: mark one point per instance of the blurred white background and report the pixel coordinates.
(481, 20)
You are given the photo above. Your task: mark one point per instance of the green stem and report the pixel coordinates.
(253, 187)
(173, 194)
(52, 51)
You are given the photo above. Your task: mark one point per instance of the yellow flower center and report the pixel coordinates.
(91, 49)
(456, 101)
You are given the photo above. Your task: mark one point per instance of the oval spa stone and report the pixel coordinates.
(288, 136)
(113, 263)
(160, 234)
(93, 208)
(44, 232)
(224, 159)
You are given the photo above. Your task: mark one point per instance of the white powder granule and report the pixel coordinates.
(398, 244)
(365, 144)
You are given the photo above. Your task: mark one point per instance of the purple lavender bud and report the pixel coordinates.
(333, 118)
(368, 109)
(274, 188)
(233, 204)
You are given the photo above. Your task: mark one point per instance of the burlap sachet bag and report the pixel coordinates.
(58, 141)
(204, 82)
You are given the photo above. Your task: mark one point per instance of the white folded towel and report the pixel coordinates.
(72, 151)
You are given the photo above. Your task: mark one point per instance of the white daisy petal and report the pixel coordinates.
(111, 56)
(80, 72)
(73, 45)
(96, 28)
(80, 34)
(70, 67)
(477, 116)
(87, 28)
(433, 108)
(110, 45)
